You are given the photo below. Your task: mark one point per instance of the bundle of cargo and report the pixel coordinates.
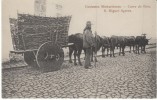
(36, 36)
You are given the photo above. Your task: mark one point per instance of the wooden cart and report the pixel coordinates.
(40, 39)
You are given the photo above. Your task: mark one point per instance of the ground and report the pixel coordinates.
(129, 76)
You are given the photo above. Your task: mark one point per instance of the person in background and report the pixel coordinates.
(144, 35)
(88, 43)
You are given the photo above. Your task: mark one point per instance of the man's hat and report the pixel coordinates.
(89, 23)
(144, 34)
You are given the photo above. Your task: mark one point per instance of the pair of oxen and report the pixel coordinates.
(106, 43)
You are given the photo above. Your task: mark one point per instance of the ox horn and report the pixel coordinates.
(149, 39)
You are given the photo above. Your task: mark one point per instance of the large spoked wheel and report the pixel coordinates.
(50, 57)
(30, 59)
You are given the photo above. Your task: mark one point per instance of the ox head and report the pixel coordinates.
(146, 41)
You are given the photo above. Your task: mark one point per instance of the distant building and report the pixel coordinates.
(47, 8)
(59, 10)
(40, 7)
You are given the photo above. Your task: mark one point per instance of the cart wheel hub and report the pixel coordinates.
(57, 57)
(52, 57)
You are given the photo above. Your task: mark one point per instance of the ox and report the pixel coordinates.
(130, 41)
(117, 41)
(105, 45)
(141, 41)
(77, 39)
(98, 42)
(121, 42)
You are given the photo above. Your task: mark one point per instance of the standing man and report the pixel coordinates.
(144, 35)
(88, 43)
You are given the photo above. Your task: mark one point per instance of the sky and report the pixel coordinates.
(140, 20)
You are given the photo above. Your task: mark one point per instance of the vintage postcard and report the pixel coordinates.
(79, 49)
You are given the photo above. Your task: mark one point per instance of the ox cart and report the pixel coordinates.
(40, 40)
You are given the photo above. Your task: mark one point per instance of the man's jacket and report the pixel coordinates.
(88, 39)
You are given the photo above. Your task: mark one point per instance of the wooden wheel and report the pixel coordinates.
(50, 57)
(29, 58)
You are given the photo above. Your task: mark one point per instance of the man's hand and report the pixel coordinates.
(93, 45)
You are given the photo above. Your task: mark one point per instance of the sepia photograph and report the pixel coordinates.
(78, 49)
